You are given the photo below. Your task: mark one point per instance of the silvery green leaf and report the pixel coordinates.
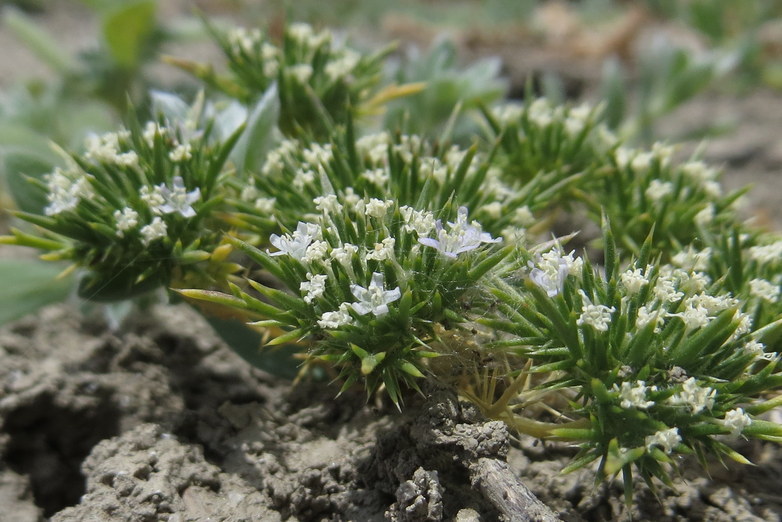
(249, 152)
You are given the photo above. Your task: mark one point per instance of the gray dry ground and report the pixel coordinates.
(166, 424)
(160, 421)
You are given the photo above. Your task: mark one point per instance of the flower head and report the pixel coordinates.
(596, 316)
(665, 439)
(153, 231)
(736, 420)
(696, 398)
(634, 396)
(551, 270)
(461, 236)
(126, 219)
(375, 298)
(177, 199)
(295, 245)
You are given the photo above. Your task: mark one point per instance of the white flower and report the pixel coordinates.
(433, 168)
(623, 156)
(344, 254)
(699, 172)
(106, 148)
(318, 155)
(744, 326)
(302, 33)
(181, 152)
(126, 159)
(551, 270)
(596, 316)
(665, 439)
(573, 126)
(343, 66)
(375, 298)
(350, 197)
(523, 216)
(240, 39)
(705, 216)
(736, 420)
(642, 161)
(153, 197)
(646, 316)
(295, 245)
(327, 204)
(155, 230)
(695, 397)
(65, 193)
(376, 176)
(302, 178)
(634, 396)
(383, 250)
(755, 348)
(633, 280)
(301, 71)
(508, 112)
(493, 209)
(275, 162)
(177, 199)
(332, 320)
(314, 286)
(692, 259)
(418, 221)
(764, 290)
(265, 205)
(657, 190)
(766, 254)
(461, 236)
(690, 282)
(316, 252)
(151, 130)
(712, 189)
(375, 146)
(378, 208)
(126, 219)
(665, 289)
(694, 317)
(713, 304)
(540, 112)
(662, 152)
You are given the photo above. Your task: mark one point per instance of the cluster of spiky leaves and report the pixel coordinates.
(407, 169)
(367, 285)
(395, 258)
(654, 359)
(319, 81)
(139, 208)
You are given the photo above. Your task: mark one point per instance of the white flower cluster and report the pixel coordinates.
(244, 40)
(461, 236)
(667, 440)
(106, 148)
(695, 397)
(634, 280)
(703, 176)
(551, 269)
(765, 290)
(596, 316)
(66, 190)
(634, 396)
(735, 421)
(766, 254)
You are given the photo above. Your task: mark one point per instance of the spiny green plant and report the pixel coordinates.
(395, 258)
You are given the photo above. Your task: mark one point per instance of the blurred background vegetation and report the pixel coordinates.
(70, 68)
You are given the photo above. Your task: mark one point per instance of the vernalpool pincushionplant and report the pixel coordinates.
(396, 258)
